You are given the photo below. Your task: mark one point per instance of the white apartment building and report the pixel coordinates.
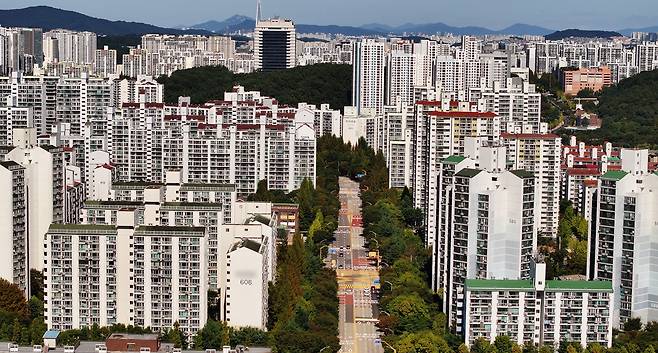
(13, 234)
(402, 74)
(275, 43)
(235, 142)
(624, 242)
(368, 62)
(487, 223)
(247, 287)
(438, 135)
(326, 121)
(135, 90)
(12, 116)
(538, 311)
(62, 45)
(45, 188)
(539, 154)
(105, 62)
(145, 276)
(21, 48)
(35, 92)
(515, 101)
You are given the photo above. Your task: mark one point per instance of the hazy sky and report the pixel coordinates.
(495, 14)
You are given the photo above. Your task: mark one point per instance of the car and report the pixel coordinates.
(145, 350)
(177, 350)
(69, 349)
(341, 255)
(340, 267)
(348, 247)
(37, 348)
(13, 347)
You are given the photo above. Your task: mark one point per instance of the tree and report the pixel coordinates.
(213, 335)
(423, 342)
(36, 284)
(177, 337)
(12, 300)
(482, 345)
(411, 311)
(503, 344)
(633, 324)
(463, 348)
(316, 226)
(649, 349)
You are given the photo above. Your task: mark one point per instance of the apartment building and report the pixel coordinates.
(514, 100)
(105, 62)
(368, 84)
(487, 224)
(539, 311)
(230, 141)
(44, 188)
(539, 154)
(126, 273)
(438, 135)
(37, 93)
(22, 48)
(13, 116)
(247, 285)
(14, 249)
(622, 246)
(63, 45)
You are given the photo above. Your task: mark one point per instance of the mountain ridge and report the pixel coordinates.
(49, 18)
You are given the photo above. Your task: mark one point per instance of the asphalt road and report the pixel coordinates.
(357, 330)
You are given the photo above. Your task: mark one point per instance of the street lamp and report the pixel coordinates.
(388, 345)
(324, 349)
(322, 247)
(390, 284)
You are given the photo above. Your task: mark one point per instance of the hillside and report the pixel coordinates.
(49, 18)
(315, 84)
(630, 112)
(579, 33)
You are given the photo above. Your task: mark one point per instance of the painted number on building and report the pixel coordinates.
(246, 282)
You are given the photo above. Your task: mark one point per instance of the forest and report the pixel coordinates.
(313, 84)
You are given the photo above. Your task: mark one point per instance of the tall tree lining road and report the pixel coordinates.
(358, 307)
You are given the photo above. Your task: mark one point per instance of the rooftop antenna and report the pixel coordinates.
(258, 11)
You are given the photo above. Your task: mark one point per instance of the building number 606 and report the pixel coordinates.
(245, 282)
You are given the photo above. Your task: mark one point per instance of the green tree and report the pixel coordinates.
(177, 337)
(503, 344)
(316, 226)
(212, 336)
(422, 342)
(412, 312)
(482, 345)
(12, 300)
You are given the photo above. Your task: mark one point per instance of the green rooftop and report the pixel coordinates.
(468, 172)
(498, 284)
(453, 160)
(614, 159)
(169, 229)
(523, 173)
(615, 175)
(581, 286)
(56, 227)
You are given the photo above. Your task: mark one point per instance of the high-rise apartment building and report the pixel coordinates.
(486, 223)
(275, 44)
(624, 242)
(539, 154)
(126, 273)
(62, 45)
(14, 250)
(368, 84)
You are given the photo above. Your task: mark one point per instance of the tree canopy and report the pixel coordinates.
(313, 84)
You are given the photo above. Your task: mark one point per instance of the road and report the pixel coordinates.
(357, 330)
